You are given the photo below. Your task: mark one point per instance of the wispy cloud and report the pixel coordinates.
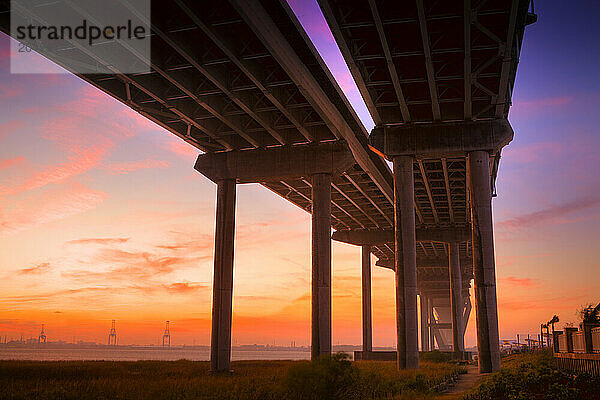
(554, 214)
(182, 149)
(131, 166)
(9, 127)
(185, 287)
(9, 162)
(522, 282)
(537, 302)
(52, 297)
(541, 104)
(79, 163)
(9, 91)
(534, 152)
(101, 241)
(50, 206)
(110, 264)
(38, 269)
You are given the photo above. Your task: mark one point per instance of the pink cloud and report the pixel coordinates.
(534, 152)
(10, 162)
(93, 119)
(78, 164)
(9, 92)
(51, 206)
(521, 282)
(9, 127)
(182, 148)
(554, 214)
(131, 166)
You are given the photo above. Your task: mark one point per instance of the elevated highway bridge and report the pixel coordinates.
(241, 81)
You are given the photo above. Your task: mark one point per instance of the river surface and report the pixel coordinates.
(135, 354)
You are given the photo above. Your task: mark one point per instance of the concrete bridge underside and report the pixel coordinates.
(266, 109)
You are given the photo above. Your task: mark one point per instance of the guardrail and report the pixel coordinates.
(578, 350)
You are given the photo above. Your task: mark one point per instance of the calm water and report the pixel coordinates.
(134, 354)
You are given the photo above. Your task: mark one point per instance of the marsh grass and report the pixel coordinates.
(250, 380)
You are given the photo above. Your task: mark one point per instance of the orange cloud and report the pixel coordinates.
(10, 162)
(38, 269)
(522, 282)
(131, 166)
(538, 303)
(138, 266)
(184, 287)
(98, 241)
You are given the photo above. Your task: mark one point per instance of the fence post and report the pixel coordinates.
(569, 336)
(587, 327)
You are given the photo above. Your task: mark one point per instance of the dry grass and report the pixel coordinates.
(250, 380)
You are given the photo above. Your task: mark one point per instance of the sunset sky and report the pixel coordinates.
(103, 217)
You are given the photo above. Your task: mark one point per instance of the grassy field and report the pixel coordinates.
(326, 379)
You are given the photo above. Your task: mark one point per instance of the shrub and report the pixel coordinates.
(436, 356)
(328, 378)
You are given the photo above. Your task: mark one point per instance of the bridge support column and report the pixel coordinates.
(220, 343)
(321, 265)
(424, 323)
(406, 263)
(484, 268)
(456, 299)
(430, 322)
(366, 299)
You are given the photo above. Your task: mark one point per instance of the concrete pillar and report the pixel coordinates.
(220, 343)
(484, 268)
(456, 299)
(366, 299)
(321, 265)
(406, 264)
(424, 323)
(430, 322)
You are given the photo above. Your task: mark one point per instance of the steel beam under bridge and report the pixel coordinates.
(361, 237)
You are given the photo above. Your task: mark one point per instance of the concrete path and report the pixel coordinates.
(465, 382)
